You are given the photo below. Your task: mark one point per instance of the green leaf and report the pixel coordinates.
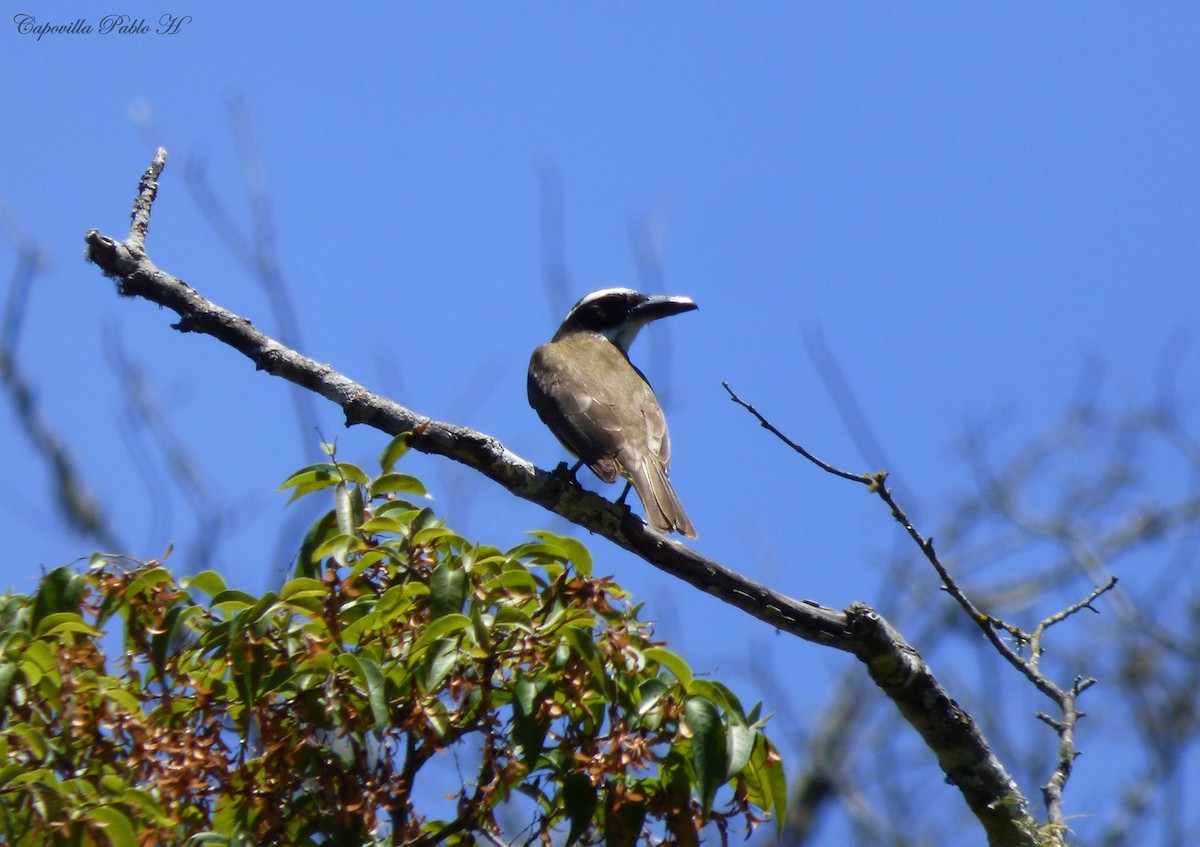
(766, 781)
(555, 548)
(579, 802)
(517, 581)
(343, 499)
(247, 673)
(741, 744)
(303, 587)
(447, 590)
(709, 756)
(400, 510)
(9, 772)
(115, 691)
(384, 526)
(7, 672)
(353, 473)
(672, 662)
(60, 591)
(714, 691)
(311, 478)
(481, 630)
(57, 622)
(777, 780)
(529, 731)
(396, 448)
(44, 777)
(562, 653)
(650, 692)
(40, 658)
(374, 684)
(307, 563)
(394, 602)
(111, 784)
(33, 740)
(439, 661)
(512, 616)
(443, 626)
(231, 599)
(397, 483)
(116, 825)
(210, 582)
(753, 714)
(376, 690)
(431, 535)
(425, 518)
(338, 547)
(526, 696)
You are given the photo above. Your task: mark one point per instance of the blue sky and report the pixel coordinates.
(968, 203)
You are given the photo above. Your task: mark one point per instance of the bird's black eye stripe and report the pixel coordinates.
(607, 311)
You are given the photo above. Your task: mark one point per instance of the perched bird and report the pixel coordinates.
(600, 406)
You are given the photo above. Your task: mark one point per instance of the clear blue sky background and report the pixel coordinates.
(967, 202)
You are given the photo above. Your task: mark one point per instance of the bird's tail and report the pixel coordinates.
(663, 510)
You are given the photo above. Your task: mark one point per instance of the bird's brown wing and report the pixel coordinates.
(577, 386)
(658, 440)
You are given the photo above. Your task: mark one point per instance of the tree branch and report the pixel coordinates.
(894, 666)
(74, 498)
(1064, 698)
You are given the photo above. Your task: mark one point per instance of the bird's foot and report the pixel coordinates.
(620, 501)
(567, 473)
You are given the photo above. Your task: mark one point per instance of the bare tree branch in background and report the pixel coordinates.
(146, 422)
(552, 228)
(1099, 511)
(854, 419)
(646, 236)
(77, 505)
(1080, 497)
(153, 447)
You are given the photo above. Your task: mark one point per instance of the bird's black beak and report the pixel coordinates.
(662, 306)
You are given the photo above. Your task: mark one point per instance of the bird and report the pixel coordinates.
(599, 405)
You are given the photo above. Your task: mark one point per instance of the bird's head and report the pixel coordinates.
(618, 314)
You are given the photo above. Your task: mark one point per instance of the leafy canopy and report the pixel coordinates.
(404, 687)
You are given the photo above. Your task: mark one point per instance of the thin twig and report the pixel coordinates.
(1035, 638)
(770, 427)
